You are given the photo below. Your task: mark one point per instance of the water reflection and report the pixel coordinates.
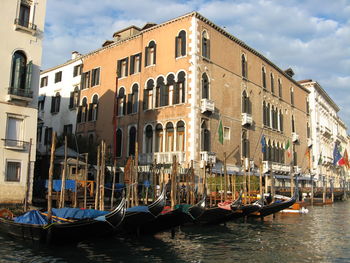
(323, 235)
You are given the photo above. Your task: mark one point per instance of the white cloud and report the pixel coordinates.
(310, 36)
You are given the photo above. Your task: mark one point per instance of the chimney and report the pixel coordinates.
(75, 54)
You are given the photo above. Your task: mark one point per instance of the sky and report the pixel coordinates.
(310, 36)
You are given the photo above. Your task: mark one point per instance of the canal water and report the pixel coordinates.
(322, 235)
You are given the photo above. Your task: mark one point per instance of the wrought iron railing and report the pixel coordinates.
(20, 92)
(25, 23)
(21, 145)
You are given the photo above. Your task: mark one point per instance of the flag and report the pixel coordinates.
(320, 160)
(344, 160)
(221, 133)
(287, 148)
(263, 144)
(336, 154)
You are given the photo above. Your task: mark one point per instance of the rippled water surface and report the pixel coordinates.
(322, 235)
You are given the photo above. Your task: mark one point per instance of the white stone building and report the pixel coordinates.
(326, 129)
(22, 28)
(58, 100)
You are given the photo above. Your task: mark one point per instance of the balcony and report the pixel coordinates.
(146, 158)
(208, 157)
(275, 167)
(24, 25)
(247, 119)
(325, 131)
(15, 144)
(295, 137)
(207, 105)
(167, 157)
(19, 94)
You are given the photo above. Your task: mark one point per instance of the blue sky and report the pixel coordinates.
(311, 36)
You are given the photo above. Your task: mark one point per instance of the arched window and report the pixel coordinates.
(279, 88)
(205, 137)
(74, 98)
(159, 138)
(173, 89)
(308, 132)
(119, 143)
(20, 74)
(268, 123)
(264, 113)
(150, 51)
(121, 102)
(263, 74)
(291, 96)
(180, 44)
(205, 86)
(246, 105)
(132, 141)
(55, 103)
(148, 139)
(181, 79)
(266, 153)
(133, 99)
(269, 151)
(244, 66)
(82, 111)
(281, 121)
(180, 136)
(169, 142)
(94, 108)
(293, 124)
(272, 83)
(162, 93)
(245, 144)
(205, 45)
(148, 95)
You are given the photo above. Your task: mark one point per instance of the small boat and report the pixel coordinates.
(170, 218)
(137, 216)
(78, 225)
(277, 206)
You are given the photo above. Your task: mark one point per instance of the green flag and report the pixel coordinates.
(221, 133)
(287, 148)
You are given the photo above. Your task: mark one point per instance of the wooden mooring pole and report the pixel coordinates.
(50, 182)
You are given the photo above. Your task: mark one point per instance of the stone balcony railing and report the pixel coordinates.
(161, 157)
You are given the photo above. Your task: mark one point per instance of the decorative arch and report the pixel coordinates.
(180, 44)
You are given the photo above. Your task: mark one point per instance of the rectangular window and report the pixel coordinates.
(95, 77)
(48, 136)
(24, 12)
(226, 133)
(58, 76)
(135, 64)
(77, 70)
(14, 132)
(122, 68)
(85, 80)
(13, 171)
(44, 81)
(39, 133)
(68, 129)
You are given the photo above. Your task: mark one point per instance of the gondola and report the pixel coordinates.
(65, 230)
(180, 215)
(269, 209)
(215, 215)
(137, 216)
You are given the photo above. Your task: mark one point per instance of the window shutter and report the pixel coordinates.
(132, 62)
(79, 114)
(126, 66)
(16, 78)
(58, 102)
(90, 112)
(129, 103)
(71, 100)
(29, 76)
(176, 47)
(119, 66)
(208, 48)
(124, 104)
(53, 100)
(97, 80)
(146, 56)
(183, 45)
(140, 61)
(82, 81)
(155, 53)
(145, 99)
(96, 110)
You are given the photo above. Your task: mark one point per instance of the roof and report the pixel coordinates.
(70, 152)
